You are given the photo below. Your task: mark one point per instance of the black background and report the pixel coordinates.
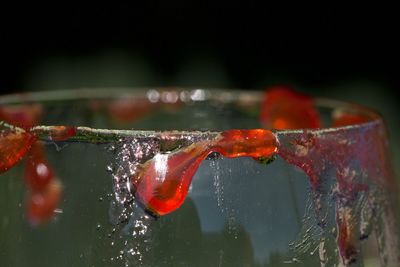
(312, 47)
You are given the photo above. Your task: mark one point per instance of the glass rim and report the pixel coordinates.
(186, 95)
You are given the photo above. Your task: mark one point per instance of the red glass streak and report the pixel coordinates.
(163, 182)
(353, 154)
(346, 237)
(13, 146)
(284, 108)
(41, 204)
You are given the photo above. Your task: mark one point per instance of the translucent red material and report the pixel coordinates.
(23, 116)
(345, 119)
(13, 146)
(163, 182)
(38, 172)
(250, 143)
(128, 110)
(62, 133)
(15, 143)
(42, 203)
(283, 108)
(44, 191)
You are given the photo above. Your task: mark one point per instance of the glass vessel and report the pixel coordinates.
(194, 177)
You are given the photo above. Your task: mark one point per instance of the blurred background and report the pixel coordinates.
(351, 54)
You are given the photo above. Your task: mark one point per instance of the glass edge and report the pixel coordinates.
(210, 94)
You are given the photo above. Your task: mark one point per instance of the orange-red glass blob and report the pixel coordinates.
(163, 182)
(13, 146)
(283, 108)
(250, 143)
(62, 133)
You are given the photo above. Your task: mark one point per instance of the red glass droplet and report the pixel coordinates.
(13, 146)
(41, 204)
(62, 133)
(38, 172)
(284, 108)
(163, 182)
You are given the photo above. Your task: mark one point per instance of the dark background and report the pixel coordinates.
(252, 44)
(350, 53)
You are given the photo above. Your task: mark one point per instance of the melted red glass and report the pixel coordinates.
(163, 182)
(348, 156)
(250, 143)
(13, 146)
(283, 108)
(44, 191)
(62, 133)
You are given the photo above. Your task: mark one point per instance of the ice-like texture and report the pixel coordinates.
(349, 172)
